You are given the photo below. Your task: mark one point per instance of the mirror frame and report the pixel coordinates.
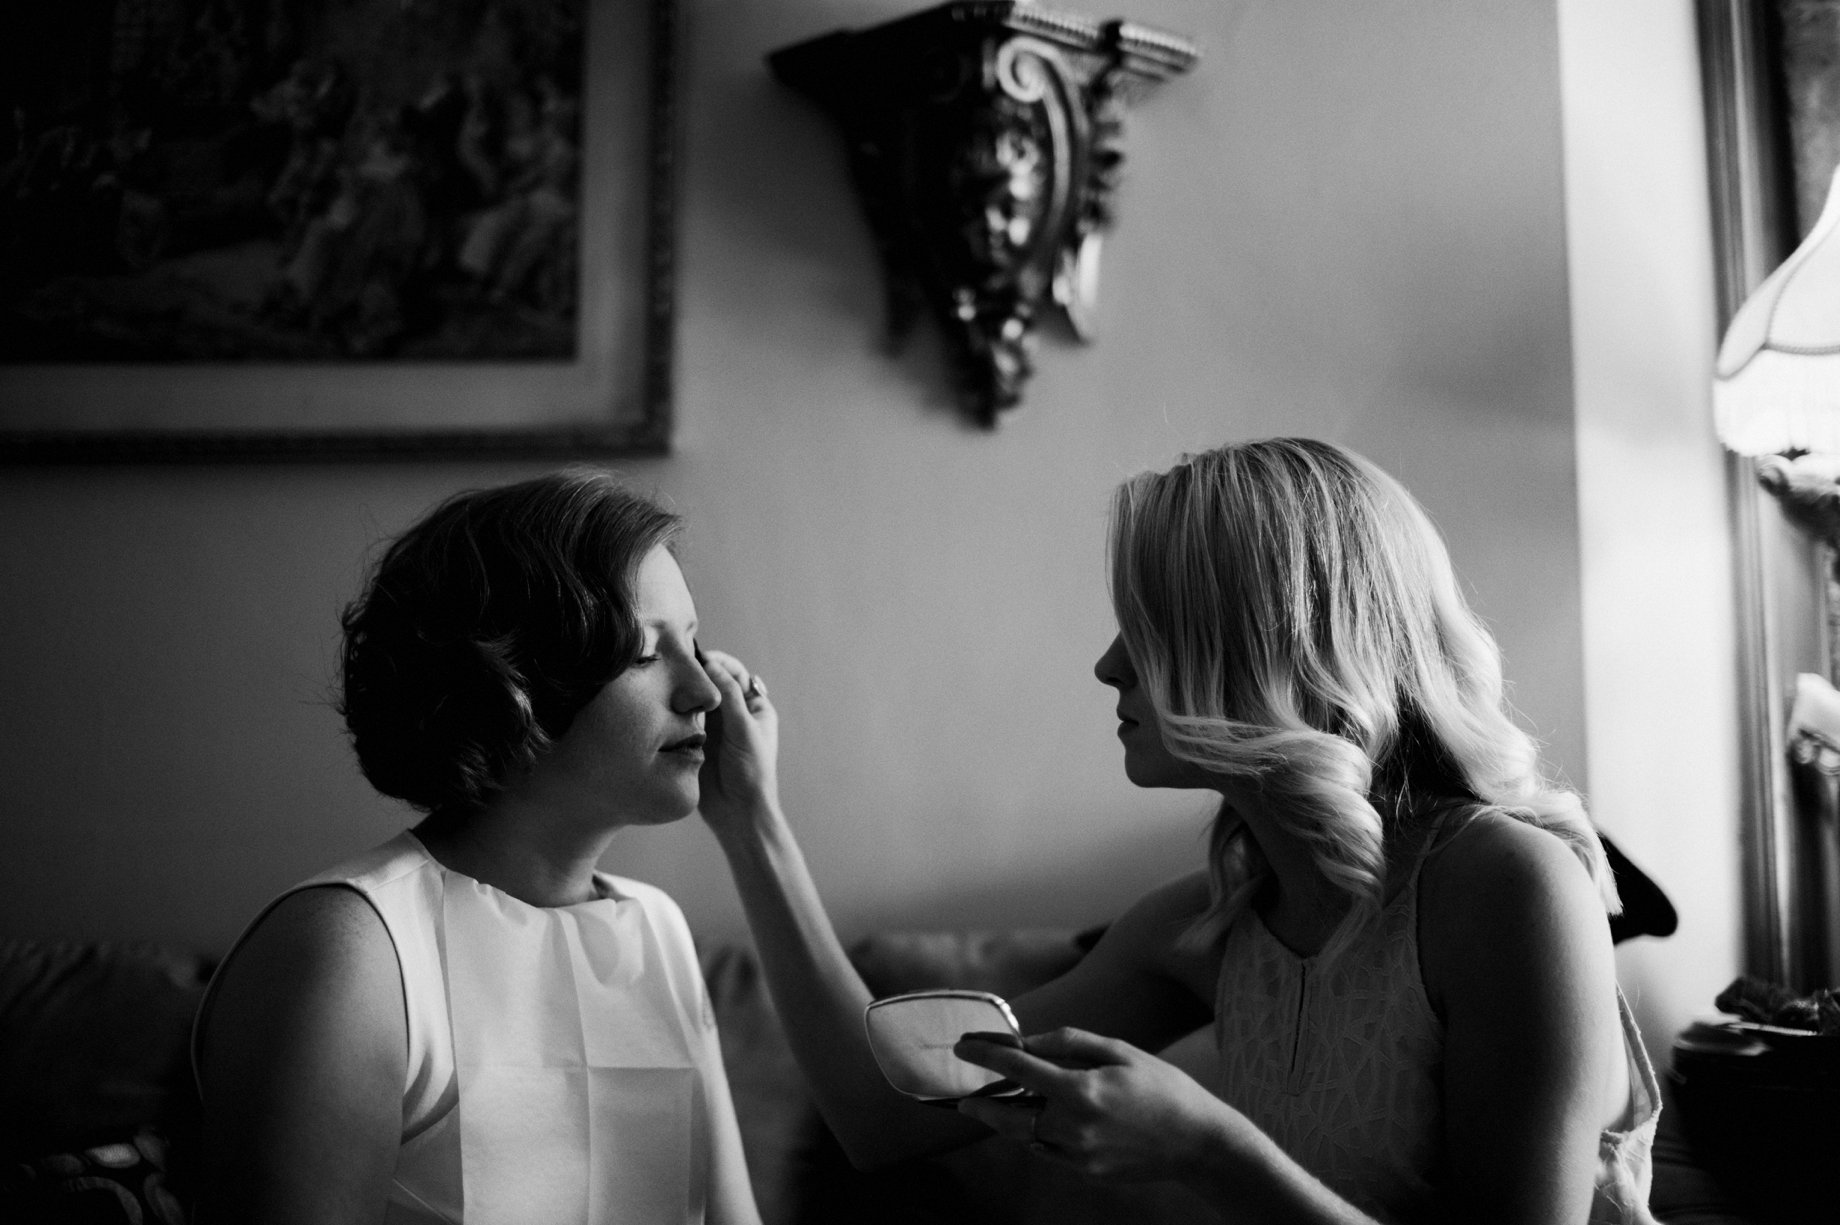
(1782, 591)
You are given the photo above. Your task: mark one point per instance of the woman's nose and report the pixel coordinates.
(1114, 666)
(695, 691)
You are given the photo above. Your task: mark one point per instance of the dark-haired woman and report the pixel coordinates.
(471, 1022)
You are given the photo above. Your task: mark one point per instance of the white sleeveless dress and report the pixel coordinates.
(1341, 1065)
(563, 1061)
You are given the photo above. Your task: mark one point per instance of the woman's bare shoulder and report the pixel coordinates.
(321, 928)
(319, 957)
(1494, 862)
(1501, 896)
(302, 1058)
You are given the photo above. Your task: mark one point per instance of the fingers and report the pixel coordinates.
(1032, 1072)
(740, 688)
(1076, 1046)
(726, 685)
(726, 671)
(714, 659)
(1066, 1047)
(1013, 1041)
(1010, 1118)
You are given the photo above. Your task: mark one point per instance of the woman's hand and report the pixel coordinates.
(741, 765)
(1105, 1107)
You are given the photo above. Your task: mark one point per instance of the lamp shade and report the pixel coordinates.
(1776, 385)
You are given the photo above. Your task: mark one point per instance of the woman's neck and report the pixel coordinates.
(1300, 906)
(516, 852)
(1301, 909)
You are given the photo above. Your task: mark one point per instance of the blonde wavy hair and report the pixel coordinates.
(1295, 621)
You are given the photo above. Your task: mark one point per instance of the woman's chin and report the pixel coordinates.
(678, 812)
(1165, 772)
(666, 809)
(1132, 773)
(1143, 773)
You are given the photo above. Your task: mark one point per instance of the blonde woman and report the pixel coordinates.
(1400, 933)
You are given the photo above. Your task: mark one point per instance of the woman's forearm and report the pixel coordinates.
(820, 999)
(1245, 1176)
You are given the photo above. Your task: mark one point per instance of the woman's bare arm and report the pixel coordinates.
(1517, 958)
(1119, 989)
(302, 1058)
(820, 997)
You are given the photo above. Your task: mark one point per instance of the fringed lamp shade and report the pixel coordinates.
(1776, 386)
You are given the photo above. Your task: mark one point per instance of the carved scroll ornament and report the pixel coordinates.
(984, 139)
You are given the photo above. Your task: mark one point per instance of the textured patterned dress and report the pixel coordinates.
(1341, 1065)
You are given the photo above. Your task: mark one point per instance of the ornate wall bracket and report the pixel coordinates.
(984, 140)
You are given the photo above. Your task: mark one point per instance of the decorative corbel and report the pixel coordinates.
(984, 143)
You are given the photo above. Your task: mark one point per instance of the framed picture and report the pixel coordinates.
(273, 229)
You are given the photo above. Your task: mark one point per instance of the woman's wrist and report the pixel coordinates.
(747, 821)
(1222, 1161)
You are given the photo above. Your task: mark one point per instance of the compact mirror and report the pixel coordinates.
(913, 1035)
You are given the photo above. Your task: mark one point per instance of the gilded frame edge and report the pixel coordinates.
(1752, 232)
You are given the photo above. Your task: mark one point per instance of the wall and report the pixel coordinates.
(1660, 646)
(1347, 222)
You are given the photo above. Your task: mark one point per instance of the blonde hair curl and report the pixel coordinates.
(1294, 618)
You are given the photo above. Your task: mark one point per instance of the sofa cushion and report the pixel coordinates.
(1003, 962)
(123, 1183)
(93, 1043)
(772, 1107)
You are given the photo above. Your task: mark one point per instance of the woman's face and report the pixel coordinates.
(1147, 760)
(633, 753)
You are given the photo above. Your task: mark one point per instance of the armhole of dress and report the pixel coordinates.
(210, 990)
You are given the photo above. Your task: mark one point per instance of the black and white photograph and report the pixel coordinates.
(919, 612)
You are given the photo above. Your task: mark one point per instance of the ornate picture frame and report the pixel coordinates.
(467, 392)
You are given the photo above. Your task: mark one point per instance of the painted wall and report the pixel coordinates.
(1660, 643)
(1347, 222)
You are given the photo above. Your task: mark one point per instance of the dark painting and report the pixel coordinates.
(284, 180)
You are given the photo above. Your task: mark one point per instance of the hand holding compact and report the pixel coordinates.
(741, 766)
(1103, 1106)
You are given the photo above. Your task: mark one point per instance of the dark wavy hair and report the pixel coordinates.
(485, 628)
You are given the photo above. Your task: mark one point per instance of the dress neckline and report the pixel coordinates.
(605, 884)
(1303, 960)
(1404, 891)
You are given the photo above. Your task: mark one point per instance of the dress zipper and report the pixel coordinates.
(1303, 991)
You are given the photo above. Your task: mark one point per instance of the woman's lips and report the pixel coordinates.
(691, 745)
